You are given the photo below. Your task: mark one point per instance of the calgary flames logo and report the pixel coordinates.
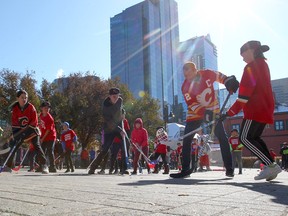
(23, 121)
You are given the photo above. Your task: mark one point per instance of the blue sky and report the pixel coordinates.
(55, 38)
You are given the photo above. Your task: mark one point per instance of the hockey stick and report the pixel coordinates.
(208, 124)
(124, 143)
(18, 168)
(2, 167)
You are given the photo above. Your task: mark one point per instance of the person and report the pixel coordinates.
(139, 137)
(59, 154)
(199, 95)
(204, 151)
(112, 127)
(117, 146)
(31, 157)
(194, 154)
(257, 102)
(179, 155)
(236, 148)
(92, 154)
(161, 140)
(284, 154)
(48, 134)
(68, 141)
(25, 128)
(84, 158)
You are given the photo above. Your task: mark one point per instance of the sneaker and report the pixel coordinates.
(230, 174)
(126, 172)
(269, 172)
(45, 169)
(91, 172)
(31, 170)
(110, 172)
(72, 170)
(68, 170)
(134, 173)
(115, 172)
(182, 174)
(101, 172)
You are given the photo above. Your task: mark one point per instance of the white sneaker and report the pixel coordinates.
(269, 172)
(45, 169)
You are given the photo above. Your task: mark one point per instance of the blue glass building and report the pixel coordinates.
(144, 40)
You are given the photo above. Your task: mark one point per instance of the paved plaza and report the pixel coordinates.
(205, 193)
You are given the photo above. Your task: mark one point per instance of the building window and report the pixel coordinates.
(279, 125)
(236, 126)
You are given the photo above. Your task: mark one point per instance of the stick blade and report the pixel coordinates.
(4, 151)
(16, 168)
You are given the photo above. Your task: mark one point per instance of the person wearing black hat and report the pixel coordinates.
(112, 114)
(256, 100)
(48, 133)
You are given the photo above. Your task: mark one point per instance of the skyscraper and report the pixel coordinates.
(144, 39)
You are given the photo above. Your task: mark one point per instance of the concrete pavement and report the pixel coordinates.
(205, 193)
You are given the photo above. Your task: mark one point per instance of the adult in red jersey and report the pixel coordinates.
(25, 127)
(256, 100)
(48, 134)
(68, 139)
(199, 95)
(139, 137)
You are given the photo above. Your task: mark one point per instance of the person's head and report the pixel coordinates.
(234, 133)
(114, 94)
(65, 126)
(252, 50)
(138, 123)
(45, 107)
(178, 144)
(22, 97)
(189, 70)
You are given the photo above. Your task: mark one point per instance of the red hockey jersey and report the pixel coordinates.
(24, 117)
(255, 93)
(199, 94)
(68, 137)
(47, 123)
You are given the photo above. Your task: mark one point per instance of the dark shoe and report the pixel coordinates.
(52, 170)
(230, 174)
(115, 172)
(72, 170)
(134, 173)
(182, 174)
(126, 172)
(68, 170)
(240, 173)
(31, 170)
(101, 172)
(91, 172)
(38, 169)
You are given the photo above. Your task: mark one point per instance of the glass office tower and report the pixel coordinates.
(144, 39)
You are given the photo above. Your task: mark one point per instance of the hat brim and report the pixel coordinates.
(265, 48)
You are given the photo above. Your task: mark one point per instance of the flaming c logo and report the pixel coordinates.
(23, 121)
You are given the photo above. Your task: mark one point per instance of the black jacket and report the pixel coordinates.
(112, 114)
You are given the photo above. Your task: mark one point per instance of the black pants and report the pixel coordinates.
(68, 159)
(223, 140)
(108, 140)
(35, 142)
(114, 152)
(48, 148)
(250, 137)
(163, 156)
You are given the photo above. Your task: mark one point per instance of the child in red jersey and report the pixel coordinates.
(256, 100)
(25, 127)
(236, 148)
(200, 97)
(48, 134)
(68, 139)
(161, 140)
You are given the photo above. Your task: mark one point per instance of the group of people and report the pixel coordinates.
(40, 133)
(255, 99)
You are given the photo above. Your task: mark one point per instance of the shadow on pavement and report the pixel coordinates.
(273, 188)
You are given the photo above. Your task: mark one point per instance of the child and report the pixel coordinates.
(25, 128)
(139, 137)
(68, 139)
(257, 102)
(161, 149)
(236, 148)
(204, 150)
